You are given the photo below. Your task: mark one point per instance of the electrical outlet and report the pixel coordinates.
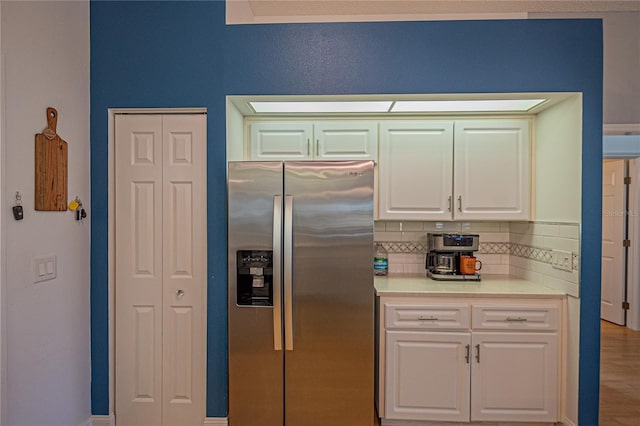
(561, 259)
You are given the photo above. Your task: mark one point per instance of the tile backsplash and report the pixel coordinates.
(546, 237)
(522, 249)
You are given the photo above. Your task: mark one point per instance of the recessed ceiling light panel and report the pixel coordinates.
(267, 107)
(485, 105)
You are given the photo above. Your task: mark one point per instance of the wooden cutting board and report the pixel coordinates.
(51, 167)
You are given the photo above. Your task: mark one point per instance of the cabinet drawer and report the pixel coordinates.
(496, 317)
(429, 317)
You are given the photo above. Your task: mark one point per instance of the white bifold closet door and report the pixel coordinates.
(160, 254)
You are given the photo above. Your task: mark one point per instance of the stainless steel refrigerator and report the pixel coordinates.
(301, 297)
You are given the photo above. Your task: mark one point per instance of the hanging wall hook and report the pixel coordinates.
(76, 206)
(18, 212)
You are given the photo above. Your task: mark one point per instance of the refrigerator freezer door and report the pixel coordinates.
(255, 364)
(329, 373)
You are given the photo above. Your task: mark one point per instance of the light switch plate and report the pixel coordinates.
(44, 268)
(561, 259)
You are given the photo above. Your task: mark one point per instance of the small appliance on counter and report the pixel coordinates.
(450, 257)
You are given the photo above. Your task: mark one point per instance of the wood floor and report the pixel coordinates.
(619, 375)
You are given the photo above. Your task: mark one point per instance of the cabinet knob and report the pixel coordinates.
(179, 294)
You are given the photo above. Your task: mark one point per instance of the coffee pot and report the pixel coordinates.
(451, 257)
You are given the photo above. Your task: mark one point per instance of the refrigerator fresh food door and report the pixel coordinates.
(255, 284)
(329, 340)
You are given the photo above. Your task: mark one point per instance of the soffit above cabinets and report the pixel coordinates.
(377, 7)
(274, 11)
(397, 105)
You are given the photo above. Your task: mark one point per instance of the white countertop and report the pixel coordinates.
(491, 285)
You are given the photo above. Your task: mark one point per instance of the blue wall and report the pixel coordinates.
(179, 54)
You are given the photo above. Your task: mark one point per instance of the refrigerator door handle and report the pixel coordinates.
(277, 272)
(288, 271)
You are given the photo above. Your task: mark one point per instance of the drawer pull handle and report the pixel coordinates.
(431, 318)
(516, 319)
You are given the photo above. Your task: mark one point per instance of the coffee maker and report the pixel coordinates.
(449, 257)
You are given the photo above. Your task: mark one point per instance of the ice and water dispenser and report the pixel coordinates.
(254, 277)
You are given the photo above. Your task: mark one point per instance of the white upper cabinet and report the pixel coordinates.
(415, 170)
(281, 140)
(436, 170)
(322, 140)
(346, 140)
(491, 171)
(454, 170)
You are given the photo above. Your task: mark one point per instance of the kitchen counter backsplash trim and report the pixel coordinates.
(543, 255)
(522, 249)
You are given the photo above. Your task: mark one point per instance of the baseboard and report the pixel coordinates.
(111, 421)
(97, 420)
(385, 422)
(216, 421)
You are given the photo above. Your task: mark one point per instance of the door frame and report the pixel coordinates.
(626, 146)
(112, 112)
(611, 311)
(633, 233)
(3, 357)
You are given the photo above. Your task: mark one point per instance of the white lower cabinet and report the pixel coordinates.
(473, 362)
(514, 377)
(428, 375)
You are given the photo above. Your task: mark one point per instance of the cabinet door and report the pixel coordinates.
(427, 376)
(492, 171)
(415, 170)
(514, 377)
(346, 140)
(275, 140)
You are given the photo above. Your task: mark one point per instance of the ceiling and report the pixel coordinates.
(262, 9)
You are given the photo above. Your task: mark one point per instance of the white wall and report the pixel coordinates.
(2, 246)
(235, 133)
(46, 63)
(621, 61)
(621, 146)
(558, 162)
(558, 188)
